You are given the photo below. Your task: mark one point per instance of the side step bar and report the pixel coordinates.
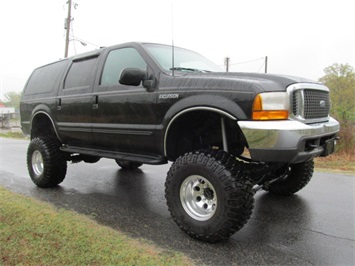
(142, 158)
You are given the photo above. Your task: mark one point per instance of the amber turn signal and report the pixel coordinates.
(264, 107)
(270, 115)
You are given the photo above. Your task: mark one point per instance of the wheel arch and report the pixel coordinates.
(192, 117)
(42, 124)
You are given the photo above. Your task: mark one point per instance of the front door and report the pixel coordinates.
(123, 118)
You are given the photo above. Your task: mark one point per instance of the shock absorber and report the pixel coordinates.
(224, 134)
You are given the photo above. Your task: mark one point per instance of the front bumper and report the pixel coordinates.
(287, 141)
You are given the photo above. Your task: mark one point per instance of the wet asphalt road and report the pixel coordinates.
(313, 227)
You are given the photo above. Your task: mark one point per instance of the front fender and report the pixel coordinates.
(214, 102)
(209, 103)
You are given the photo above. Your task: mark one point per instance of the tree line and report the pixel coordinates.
(340, 79)
(12, 99)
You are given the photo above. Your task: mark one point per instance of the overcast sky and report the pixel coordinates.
(299, 37)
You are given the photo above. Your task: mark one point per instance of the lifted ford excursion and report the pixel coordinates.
(130, 103)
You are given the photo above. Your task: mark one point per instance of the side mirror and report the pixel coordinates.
(132, 76)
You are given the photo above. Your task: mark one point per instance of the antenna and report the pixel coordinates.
(172, 40)
(173, 57)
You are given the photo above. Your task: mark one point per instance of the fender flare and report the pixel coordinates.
(198, 108)
(218, 104)
(208, 100)
(40, 110)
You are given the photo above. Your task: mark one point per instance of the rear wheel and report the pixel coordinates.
(205, 198)
(45, 162)
(128, 165)
(297, 178)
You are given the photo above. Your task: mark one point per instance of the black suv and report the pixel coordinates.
(138, 104)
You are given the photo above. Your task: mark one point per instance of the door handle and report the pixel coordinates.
(59, 104)
(95, 102)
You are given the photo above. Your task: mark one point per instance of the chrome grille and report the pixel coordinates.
(316, 104)
(311, 105)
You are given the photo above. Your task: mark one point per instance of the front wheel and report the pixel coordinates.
(297, 178)
(205, 199)
(45, 162)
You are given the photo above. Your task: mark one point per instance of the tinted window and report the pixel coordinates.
(46, 79)
(80, 73)
(117, 60)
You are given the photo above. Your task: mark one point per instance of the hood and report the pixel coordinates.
(251, 82)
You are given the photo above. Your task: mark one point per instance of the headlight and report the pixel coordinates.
(271, 106)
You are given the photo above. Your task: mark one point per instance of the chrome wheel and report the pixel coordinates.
(198, 197)
(37, 163)
(206, 198)
(46, 163)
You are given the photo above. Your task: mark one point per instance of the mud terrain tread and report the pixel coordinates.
(299, 176)
(55, 165)
(238, 196)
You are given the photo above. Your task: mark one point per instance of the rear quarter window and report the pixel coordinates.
(46, 79)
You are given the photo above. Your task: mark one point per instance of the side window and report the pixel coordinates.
(80, 73)
(116, 61)
(45, 79)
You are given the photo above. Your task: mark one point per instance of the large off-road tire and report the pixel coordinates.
(298, 177)
(206, 198)
(128, 165)
(45, 162)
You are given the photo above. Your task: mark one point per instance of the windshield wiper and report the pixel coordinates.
(188, 69)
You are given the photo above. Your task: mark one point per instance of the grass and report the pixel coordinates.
(12, 134)
(336, 162)
(35, 233)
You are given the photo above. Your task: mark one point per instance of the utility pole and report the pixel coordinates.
(265, 64)
(226, 62)
(67, 28)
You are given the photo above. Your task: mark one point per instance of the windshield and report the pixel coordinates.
(184, 60)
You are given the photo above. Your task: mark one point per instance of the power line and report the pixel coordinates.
(244, 62)
(227, 63)
(261, 67)
(250, 61)
(70, 30)
(84, 41)
(72, 34)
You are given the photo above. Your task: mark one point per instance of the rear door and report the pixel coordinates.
(74, 102)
